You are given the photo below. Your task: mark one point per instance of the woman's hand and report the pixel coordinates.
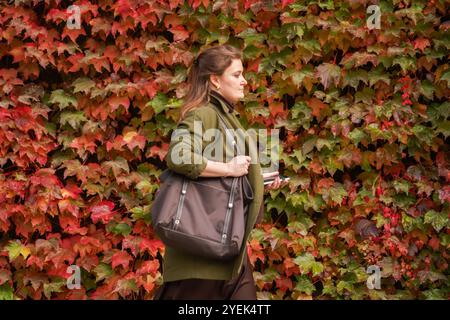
(278, 183)
(238, 166)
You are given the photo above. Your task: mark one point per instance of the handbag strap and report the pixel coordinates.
(235, 180)
(230, 137)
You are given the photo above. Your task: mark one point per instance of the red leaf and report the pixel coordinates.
(151, 246)
(121, 258)
(276, 108)
(161, 152)
(117, 144)
(115, 102)
(23, 118)
(148, 267)
(71, 191)
(102, 211)
(434, 243)
(175, 3)
(254, 65)
(285, 3)
(284, 284)
(179, 33)
(133, 139)
(421, 43)
(73, 34)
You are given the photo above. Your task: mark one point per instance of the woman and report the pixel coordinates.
(216, 83)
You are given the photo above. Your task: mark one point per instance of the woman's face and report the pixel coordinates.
(231, 83)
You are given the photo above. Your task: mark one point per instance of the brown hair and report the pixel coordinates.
(213, 60)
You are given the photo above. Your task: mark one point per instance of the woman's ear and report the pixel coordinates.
(213, 79)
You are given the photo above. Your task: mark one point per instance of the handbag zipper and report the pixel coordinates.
(180, 204)
(229, 209)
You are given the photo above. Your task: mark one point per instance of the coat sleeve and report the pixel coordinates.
(260, 217)
(185, 154)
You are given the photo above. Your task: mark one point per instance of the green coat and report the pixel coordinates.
(179, 265)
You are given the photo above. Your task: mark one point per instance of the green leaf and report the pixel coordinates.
(423, 133)
(159, 102)
(83, 85)
(307, 263)
(360, 197)
(353, 77)
(338, 192)
(103, 271)
(366, 95)
(404, 201)
(406, 63)
(122, 228)
(427, 89)
(444, 239)
(436, 294)
(51, 287)
(444, 128)
(142, 213)
(74, 118)
(401, 185)
(269, 275)
(309, 145)
(146, 187)
(298, 75)
(304, 284)
(357, 135)
(251, 36)
(329, 288)
(445, 76)
(278, 203)
(118, 165)
(437, 219)
(301, 226)
(379, 74)
(6, 292)
(320, 143)
(15, 248)
(63, 99)
(125, 287)
(410, 223)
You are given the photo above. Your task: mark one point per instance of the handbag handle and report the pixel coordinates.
(235, 144)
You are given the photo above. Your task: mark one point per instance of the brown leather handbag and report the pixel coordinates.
(206, 216)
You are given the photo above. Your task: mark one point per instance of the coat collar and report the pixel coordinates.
(218, 100)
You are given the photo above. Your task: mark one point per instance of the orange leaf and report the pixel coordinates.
(316, 106)
(325, 183)
(276, 108)
(254, 65)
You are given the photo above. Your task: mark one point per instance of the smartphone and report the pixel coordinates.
(272, 179)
